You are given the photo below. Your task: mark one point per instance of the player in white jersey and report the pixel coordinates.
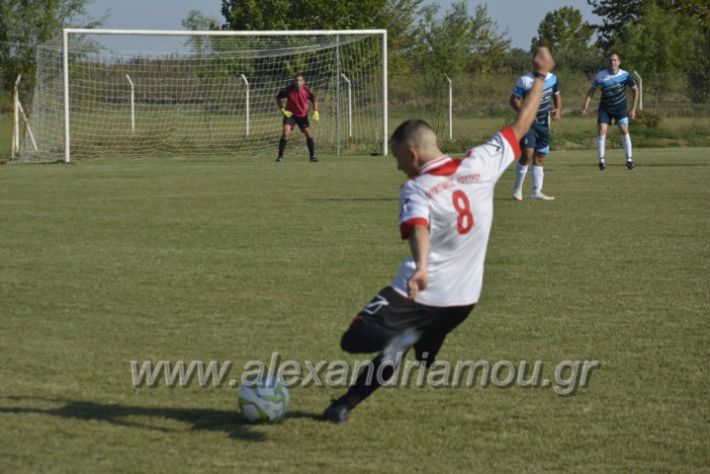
(613, 82)
(446, 212)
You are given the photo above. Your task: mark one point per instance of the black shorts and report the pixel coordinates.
(302, 122)
(389, 313)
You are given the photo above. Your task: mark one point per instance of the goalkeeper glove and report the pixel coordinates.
(316, 116)
(286, 113)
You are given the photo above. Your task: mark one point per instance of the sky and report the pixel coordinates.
(520, 17)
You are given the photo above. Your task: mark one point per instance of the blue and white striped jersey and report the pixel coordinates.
(523, 86)
(613, 87)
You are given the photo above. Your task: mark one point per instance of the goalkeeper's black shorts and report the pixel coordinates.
(389, 313)
(302, 122)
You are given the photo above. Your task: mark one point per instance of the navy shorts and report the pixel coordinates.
(538, 138)
(302, 122)
(619, 115)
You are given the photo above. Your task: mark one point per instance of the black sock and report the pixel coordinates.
(282, 146)
(367, 382)
(311, 146)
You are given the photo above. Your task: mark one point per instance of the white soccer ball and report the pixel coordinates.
(264, 399)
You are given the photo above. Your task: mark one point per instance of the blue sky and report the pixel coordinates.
(520, 17)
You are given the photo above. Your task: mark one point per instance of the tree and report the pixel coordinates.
(24, 24)
(516, 60)
(661, 42)
(398, 17)
(699, 9)
(564, 30)
(322, 15)
(647, 42)
(451, 45)
(197, 21)
(568, 37)
(616, 14)
(459, 42)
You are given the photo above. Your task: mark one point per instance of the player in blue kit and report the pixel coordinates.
(536, 143)
(612, 106)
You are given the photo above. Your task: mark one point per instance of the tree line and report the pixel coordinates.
(653, 36)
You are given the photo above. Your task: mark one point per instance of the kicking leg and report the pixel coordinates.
(387, 324)
(361, 338)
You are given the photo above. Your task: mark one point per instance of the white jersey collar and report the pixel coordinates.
(435, 163)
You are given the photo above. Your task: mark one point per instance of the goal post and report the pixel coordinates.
(133, 93)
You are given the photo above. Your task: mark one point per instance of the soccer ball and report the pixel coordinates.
(264, 400)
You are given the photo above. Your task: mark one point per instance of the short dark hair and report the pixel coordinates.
(299, 75)
(408, 131)
(612, 53)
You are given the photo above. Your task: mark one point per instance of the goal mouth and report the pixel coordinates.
(136, 94)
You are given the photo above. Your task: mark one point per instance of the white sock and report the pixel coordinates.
(627, 145)
(520, 172)
(537, 176)
(601, 145)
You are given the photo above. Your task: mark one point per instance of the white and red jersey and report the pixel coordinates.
(455, 199)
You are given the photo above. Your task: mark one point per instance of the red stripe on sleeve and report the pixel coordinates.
(406, 227)
(509, 135)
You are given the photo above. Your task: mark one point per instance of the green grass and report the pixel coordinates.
(105, 262)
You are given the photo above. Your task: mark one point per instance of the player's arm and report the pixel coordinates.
(587, 99)
(515, 102)
(279, 101)
(543, 63)
(316, 113)
(557, 101)
(279, 98)
(314, 100)
(419, 244)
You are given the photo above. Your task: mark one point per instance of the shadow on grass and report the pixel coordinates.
(205, 419)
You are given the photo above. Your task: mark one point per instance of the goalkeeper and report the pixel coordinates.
(295, 112)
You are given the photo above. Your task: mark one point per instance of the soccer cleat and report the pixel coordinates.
(279, 159)
(398, 345)
(517, 196)
(630, 164)
(602, 166)
(314, 159)
(541, 197)
(337, 412)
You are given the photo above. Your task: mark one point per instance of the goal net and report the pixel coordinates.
(118, 93)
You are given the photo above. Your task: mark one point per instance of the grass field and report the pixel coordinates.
(170, 132)
(106, 262)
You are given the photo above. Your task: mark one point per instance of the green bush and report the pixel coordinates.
(648, 119)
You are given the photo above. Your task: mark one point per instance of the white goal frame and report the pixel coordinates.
(79, 31)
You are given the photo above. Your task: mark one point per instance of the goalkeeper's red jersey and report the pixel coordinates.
(297, 99)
